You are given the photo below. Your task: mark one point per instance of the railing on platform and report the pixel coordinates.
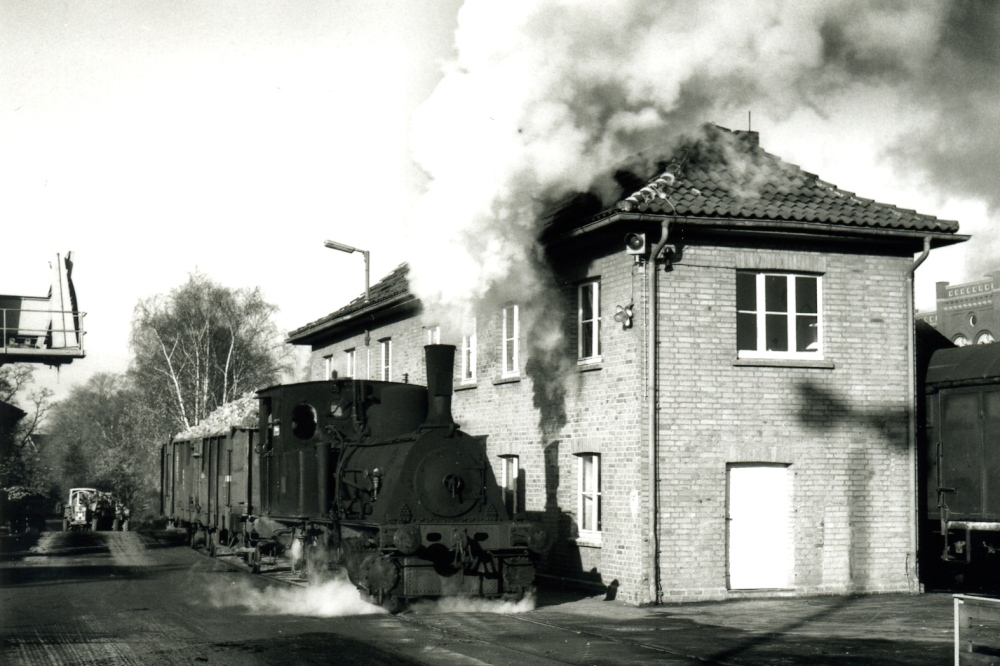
(38, 334)
(977, 630)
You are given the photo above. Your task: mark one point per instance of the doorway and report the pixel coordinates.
(759, 539)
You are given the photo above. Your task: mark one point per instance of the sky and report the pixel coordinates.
(157, 139)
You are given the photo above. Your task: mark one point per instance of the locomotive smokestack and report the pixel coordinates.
(440, 376)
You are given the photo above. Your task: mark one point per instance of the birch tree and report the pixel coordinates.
(204, 345)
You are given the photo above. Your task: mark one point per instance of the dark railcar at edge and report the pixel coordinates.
(961, 463)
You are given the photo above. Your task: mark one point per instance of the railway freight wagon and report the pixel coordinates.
(961, 462)
(207, 487)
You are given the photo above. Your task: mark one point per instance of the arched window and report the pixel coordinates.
(984, 338)
(960, 340)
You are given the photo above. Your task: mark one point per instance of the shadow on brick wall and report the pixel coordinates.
(563, 560)
(866, 431)
(551, 366)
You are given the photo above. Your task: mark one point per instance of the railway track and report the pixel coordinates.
(550, 642)
(488, 637)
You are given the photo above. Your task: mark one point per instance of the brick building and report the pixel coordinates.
(966, 313)
(753, 440)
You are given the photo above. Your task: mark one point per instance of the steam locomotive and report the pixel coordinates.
(374, 478)
(961, 462)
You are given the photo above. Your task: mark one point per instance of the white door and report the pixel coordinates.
(760, 540)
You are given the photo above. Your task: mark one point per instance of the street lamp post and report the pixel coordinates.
(350, 250)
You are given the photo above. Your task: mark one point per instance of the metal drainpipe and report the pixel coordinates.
(654, 523)
(912, 420)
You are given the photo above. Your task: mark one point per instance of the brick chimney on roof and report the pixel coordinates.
(752, 138)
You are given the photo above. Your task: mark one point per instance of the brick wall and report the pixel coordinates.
(560, 409)
(841, 428)
(408, 340)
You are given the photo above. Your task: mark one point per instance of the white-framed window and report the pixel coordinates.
(509, 482)
(779, 315)
(350, 363)
(510, 341)
(385, 359)
(469, 352)
(588, 321)
(589, 497)
(433, 335)
(328, 367)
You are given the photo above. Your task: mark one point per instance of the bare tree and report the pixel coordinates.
(203, 345)
(14, 379)
(22, 469)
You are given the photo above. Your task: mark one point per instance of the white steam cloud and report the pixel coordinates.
(340, 598)
(547, 98)
(333, 598)
(475, 605)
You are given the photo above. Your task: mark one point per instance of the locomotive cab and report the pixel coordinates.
(304, 427)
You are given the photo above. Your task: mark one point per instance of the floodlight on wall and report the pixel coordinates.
(635, 243)
(333, 245)
(624, 316)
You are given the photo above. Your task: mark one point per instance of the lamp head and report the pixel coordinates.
(340, 246)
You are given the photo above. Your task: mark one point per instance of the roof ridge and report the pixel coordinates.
(393, 284)
(715, 183)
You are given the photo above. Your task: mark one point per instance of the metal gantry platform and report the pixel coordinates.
(43, 329)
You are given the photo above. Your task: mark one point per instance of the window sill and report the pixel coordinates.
(507, 380)
(589, 364)
(466, 387)
(588, 541)
(818, 363)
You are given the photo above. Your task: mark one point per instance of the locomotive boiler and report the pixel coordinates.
(376, 479)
